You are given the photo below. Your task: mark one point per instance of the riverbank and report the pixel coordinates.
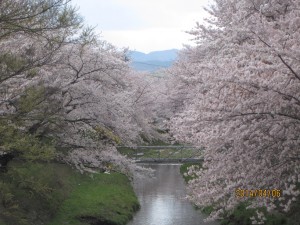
(56, 194)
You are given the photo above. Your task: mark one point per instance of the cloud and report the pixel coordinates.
(143, 25)
(137, 14)
(169, 13)
(148, 39)
(108, 15)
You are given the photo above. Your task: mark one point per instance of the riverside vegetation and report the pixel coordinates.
(241, 214)
(55, 194)
(70, 97)
(66, 96)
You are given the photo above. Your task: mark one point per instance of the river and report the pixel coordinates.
(162, 200)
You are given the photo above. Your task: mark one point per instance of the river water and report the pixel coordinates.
(162, 200)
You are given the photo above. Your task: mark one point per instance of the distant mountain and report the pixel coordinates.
(153, 60)
(150, 66)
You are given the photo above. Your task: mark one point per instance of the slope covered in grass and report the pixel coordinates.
(55, 194)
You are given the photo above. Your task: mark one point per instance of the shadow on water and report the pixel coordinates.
(162, 200)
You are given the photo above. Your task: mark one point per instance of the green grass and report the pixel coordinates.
(159, 153)
(55, 194)
(158, 143)
(103, 197)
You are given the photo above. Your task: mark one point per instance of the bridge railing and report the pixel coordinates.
(169, 153)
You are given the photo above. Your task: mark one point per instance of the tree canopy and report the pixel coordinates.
(241, 101)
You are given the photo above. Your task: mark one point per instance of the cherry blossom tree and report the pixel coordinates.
(242, 84)
(61, 84)
(31, 33)
(98, 97)
(65, 95)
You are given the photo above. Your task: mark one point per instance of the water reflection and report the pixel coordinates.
(162, 200)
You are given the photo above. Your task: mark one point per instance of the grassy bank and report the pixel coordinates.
(55, 194)
(167, 153)
(241, 214)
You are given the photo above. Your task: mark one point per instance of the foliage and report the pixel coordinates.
(106, 198)
(238, 91)
(242, 214)
(65, 91)
(184, 170)
(42, 193)
(187, 176)
(30, 99)
(68, 96)
(100, 134)
(35, 192)
(26, 145)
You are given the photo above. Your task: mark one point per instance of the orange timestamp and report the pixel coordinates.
(263, 193)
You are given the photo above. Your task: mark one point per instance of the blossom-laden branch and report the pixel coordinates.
(241, 90)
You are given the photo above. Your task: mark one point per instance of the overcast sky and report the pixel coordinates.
(143, 25)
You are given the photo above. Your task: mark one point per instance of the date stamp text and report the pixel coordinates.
(262, 193)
